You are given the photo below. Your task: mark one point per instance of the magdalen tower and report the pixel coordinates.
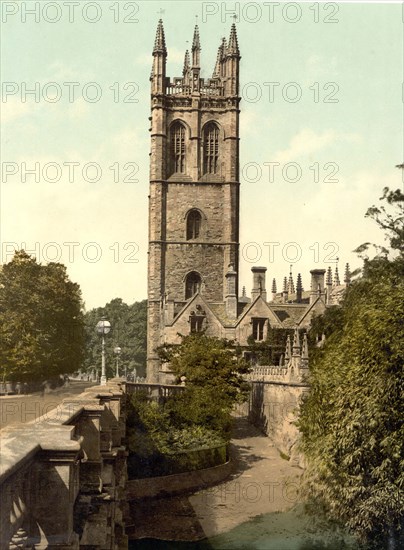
(194, 187)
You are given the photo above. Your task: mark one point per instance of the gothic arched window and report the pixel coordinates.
(192, 284)
(178, 147)
(194, 220)
(210, 149)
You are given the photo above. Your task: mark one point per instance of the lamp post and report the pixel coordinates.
(103, 327)
(117, 351)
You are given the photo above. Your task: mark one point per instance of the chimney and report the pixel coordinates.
(317, 284)
(259, 288)
(231, 296)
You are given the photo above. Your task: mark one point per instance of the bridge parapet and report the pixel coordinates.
(62, 476)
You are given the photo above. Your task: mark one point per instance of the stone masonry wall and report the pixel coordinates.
(274, 408)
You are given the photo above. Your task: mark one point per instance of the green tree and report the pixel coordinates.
(128, 331)
(352, 420)
(41, 320)
(213, 369)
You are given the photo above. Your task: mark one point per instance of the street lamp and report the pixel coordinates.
(103, 327)
(117, 351)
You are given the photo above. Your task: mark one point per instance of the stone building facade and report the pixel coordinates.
(193, 278)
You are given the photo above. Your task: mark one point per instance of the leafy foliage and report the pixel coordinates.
(269, 351)
(197, 418)
(213, 369)
(41, 320)
(352, 420)
(156, 442)
(392, 223)
(128, 331)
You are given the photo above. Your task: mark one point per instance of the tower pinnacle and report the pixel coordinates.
(196, 47)
(186, 63)
(160, 41)
(232, 47)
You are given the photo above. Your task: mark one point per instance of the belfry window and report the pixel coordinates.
(194, 220)
(192, 284)
(178, 147)
(211, 149)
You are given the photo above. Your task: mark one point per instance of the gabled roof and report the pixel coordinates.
(260, 306)
(199, 299)
(279, 315)
(319, 301)
(288, 314)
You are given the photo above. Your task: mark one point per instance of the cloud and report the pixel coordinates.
(14, 109)
(307, 141)
(78, 109)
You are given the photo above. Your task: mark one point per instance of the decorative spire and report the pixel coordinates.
(291, 284)
(288, 350)
(304, 363)
(296, 343)
(196, 45)
(274, 286)
(347, 276)
(336, 277)
(187, 63)
(305, 347)
(232, 47)
(299, 285)
(160, 42)
(285, 284)
(329, 276)
(299, 289)
(244, 292)
(220, 55)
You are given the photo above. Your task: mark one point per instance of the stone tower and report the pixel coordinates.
(194, 186)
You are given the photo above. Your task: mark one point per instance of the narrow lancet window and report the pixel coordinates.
(192, 284)
(211, 149)
(178, 147)
(194, 220)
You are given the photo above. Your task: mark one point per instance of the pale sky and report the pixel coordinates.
(321, 88)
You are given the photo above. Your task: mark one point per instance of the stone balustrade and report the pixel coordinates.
(291, 374)
(63, 476)
(157, 392)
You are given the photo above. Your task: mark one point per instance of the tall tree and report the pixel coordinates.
(352, 420)
(214, 371)
(128, 331)
(41, 320)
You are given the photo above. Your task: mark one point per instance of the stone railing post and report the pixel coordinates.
(55, 486)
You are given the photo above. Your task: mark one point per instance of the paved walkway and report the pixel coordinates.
(18, 409)
(262, 482)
